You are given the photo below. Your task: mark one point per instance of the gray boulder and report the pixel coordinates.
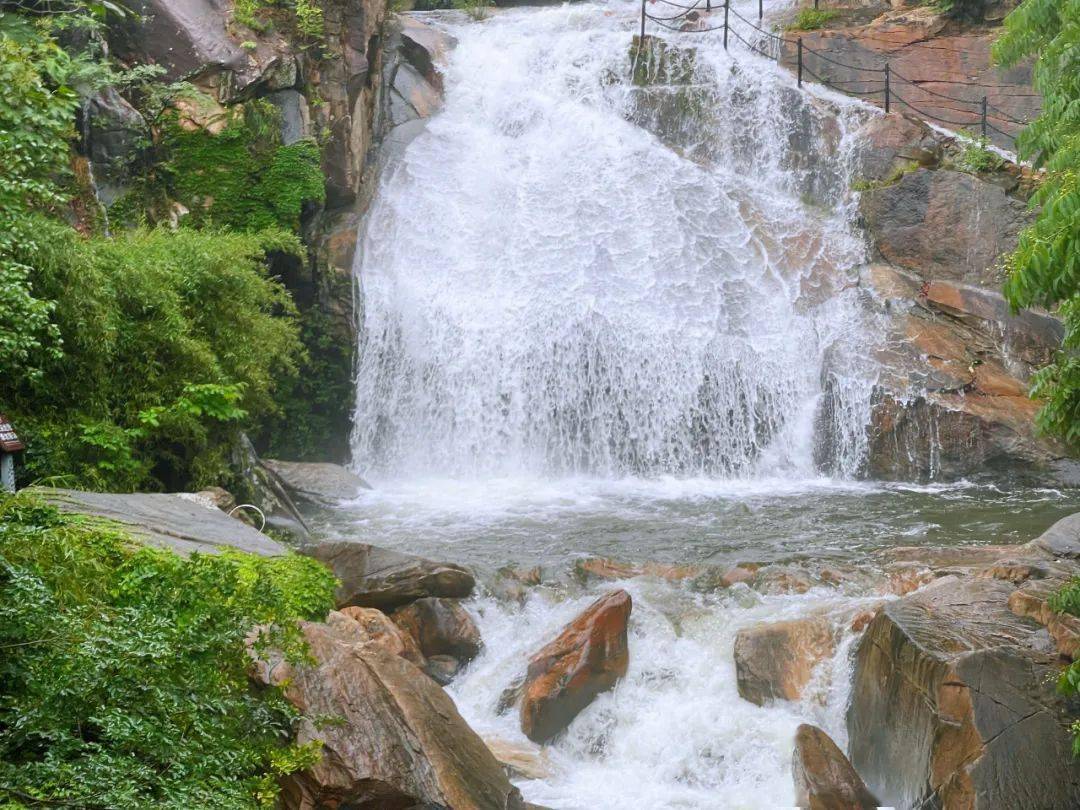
(167, 521)
(385, 579)
(317, 482)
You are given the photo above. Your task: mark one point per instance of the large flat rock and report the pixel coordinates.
(167, 521)
(318, 482)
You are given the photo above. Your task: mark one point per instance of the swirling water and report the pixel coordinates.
(606, 320)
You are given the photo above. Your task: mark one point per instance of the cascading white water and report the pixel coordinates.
(548, 288)
(597, 305)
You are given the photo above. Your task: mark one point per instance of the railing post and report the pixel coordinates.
(760, 9)
(641, 42)
(727, 5)
(815, 4)
(800, 62)
(887, 100)
(984, 118)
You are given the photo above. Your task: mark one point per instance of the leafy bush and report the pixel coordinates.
(476, 10)
(242, 177)
(1067, 600)
(976, 156)
(169, 339)
(1045, 269)
(305, 15)
(811, 19)
(124, 676)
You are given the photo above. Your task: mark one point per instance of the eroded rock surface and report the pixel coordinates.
(954, 704)
(776, 661)
(443, 631)
(824, 779)
(399, 742)
(588, 658)
(385, 579)
(167, 521)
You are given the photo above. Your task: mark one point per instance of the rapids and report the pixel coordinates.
(585, 334)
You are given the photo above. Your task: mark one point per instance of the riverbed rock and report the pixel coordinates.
(318, 482)
(521, 760)
(776, 661)
(167, 521)
(1061, 541)
(398, 742)
(824, 778)
(954, 705)
(440, 627)
(372, 626)
(587, 658)
(385, 579)
(1031, 600)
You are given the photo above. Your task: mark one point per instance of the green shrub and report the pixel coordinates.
(811, 19)
(1067, 600)
(1045, 269)
(124, 676)
(242, 177)
(170, 340)
(304, 15)
(976, 156)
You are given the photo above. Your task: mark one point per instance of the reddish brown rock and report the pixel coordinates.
(608, 569)
(375, 627)
(588, 658)
(398, 741)
(777, 660)
(824, 779)
(1030, 601)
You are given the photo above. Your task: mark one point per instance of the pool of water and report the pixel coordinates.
(525, 521)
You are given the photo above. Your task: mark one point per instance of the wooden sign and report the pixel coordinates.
(9, 440)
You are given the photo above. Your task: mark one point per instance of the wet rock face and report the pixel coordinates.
(400, 742)
(588, 658)
(371, 626)
(384, 579)
(945, 224)
(954, 704)
(440, 627)
(320, 483)
(776, 661)
(824, 779)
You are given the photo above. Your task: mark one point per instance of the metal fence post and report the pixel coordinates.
(815, 4)
(641, 42)
(727, 6)
(800, 62)
(760, 9)
(984, 118)
(887, 100)
(708, 6)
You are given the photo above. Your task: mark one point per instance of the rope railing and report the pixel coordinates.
(879, 84)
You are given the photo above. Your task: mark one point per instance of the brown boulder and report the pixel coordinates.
(824, 779)
(1031, 601)
(384, 579)
(375, 627)
(440, 627)
(399, 742)
(777, 660)
(588, 657)
(954, 706)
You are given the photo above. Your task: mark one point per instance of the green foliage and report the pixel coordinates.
(1045, 269)
(811, 19)
(170, 340)
(242, 177)
(316, 405)
(124, 676)
(304, 15)
(1067, 600)
(976, 157)
(476, 10)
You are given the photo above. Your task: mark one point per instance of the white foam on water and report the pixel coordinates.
(674, 733)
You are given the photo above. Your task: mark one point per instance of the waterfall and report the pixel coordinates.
(558, 277)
